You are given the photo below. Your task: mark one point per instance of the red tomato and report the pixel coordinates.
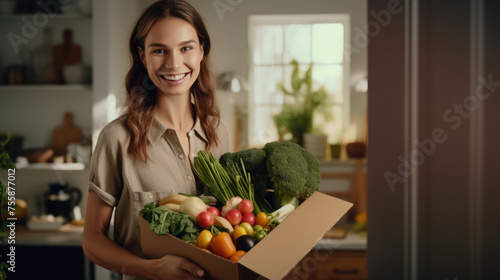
(249, 218)
(205, 219)
(213, 210)
(233, 216)
(245, 206)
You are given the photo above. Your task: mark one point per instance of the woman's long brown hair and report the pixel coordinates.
(142, 93)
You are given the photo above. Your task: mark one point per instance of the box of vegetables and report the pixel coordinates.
(262, 216)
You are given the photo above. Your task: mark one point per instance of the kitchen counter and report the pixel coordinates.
(71, 236)
(352, 242)
(67, 236)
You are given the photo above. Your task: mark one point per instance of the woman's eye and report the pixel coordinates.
(159, 51)
(186, 48)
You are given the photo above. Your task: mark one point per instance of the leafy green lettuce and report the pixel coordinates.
(163, 221)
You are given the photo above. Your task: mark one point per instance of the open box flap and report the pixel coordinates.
(290, 241)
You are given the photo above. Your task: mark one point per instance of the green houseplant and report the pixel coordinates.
(300, 105)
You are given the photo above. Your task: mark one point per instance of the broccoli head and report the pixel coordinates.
(252, 158)
(254, 161)
(225, 158)
(293, 170)
(313, 174)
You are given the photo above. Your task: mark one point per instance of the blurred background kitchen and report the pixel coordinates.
(62, 69)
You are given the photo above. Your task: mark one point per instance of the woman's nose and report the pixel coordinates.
(173, 60)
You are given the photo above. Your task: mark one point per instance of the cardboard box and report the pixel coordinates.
(273, 257)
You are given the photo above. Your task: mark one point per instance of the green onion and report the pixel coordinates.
(226, 182)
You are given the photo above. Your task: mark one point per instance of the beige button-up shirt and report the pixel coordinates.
(127, 183)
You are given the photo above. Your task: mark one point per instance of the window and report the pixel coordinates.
(275, 40)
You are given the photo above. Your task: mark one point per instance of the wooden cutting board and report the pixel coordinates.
(65, 135)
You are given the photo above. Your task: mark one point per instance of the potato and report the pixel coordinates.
(193, 206)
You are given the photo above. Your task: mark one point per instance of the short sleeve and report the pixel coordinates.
(105, 176)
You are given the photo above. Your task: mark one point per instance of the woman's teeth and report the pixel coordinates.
(174, 77)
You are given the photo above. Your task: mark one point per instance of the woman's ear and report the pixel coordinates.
(142, 56)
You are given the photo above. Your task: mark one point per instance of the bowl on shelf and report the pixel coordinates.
(7, 7)
(356, 150)
(76, 74)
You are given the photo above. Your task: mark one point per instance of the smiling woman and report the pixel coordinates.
(172, 66)
(147, 153)
(172, 57)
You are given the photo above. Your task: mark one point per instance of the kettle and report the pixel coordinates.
(61, 199)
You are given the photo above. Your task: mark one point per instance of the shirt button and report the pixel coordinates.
(189, 177)
(190, 133)
(181, 156)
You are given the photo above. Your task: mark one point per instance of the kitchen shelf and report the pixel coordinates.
(52, 166)
(6, 88)
(67, 236)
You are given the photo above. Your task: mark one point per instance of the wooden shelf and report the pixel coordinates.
(52, 166)
(8, 88)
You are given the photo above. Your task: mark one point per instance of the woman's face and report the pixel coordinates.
(172, 55)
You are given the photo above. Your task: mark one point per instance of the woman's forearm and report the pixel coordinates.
(106, 253)
(102, 250)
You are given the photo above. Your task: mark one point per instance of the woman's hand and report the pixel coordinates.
(174, 267)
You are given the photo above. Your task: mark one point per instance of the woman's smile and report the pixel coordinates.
(175, 79)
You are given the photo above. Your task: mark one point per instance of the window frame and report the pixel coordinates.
(256, 20)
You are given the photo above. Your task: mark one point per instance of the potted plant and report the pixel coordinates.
(300, 105)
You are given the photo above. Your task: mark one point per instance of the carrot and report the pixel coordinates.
(237, 256)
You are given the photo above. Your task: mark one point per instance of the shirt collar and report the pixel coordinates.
(199, 130)
(158, 129)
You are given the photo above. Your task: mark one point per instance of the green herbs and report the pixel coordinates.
(163, 221)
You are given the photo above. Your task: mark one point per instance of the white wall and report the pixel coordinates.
(113, 24)
(228, 31)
